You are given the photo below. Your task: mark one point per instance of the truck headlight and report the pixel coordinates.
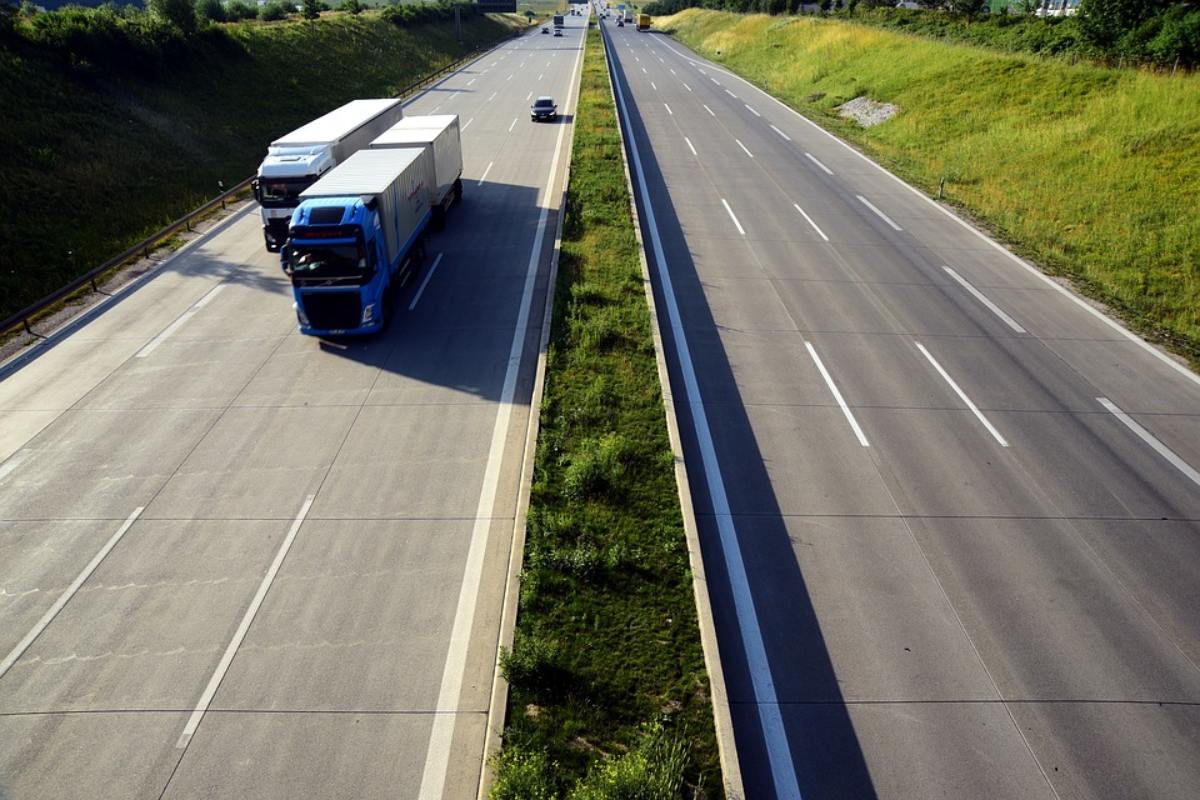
(368, 313)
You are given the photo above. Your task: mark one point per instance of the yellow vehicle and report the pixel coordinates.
(643, 22)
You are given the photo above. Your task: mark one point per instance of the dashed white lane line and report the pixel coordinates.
(433, 268)
(813, 159)
(179, 323)
(244, 626)
(837, 395)
(750, 108)
(509, 78)
(741, 230)
(512, 125)
(541, 75)
(528, 96)
(483, 177)
(653, 86)
(714, 80)
(492, 96)
(978, 295)
(686, 86)
(744, 148)
(879, 213)
(471, 81)
(731, 94)
(435, 108)
(66, 596)
(781, 133)
(804, 214)
(672, 71)
(644, 71)
(464, 127)
(668, 108)
(1143, 434)
(690, 147)
(709, 110)
(962, 396)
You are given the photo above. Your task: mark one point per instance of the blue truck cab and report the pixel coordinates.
(355, 237)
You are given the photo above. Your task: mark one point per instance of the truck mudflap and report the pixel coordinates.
(275, 231)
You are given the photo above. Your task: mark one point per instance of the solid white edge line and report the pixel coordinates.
(744, 148)
(243, 627)
(690, 147)
(66, 596)
(437, 758)
(813, 159)
(741, 230)
(483, 177)
(978, 295)
(962, 395)
(810, 221)
(1164, 357)
(1147, 437)
(837, 395)
(751, 110)
(180, 322)
(433, 268)
(779, 755)
(878, 213)
(781, 133)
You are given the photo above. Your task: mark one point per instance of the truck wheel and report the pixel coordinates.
(439, 218)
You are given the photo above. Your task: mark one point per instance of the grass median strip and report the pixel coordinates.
(1090, 171)
(608, 692)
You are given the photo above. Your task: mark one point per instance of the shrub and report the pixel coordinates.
(240, 9)
(533, 661)
(211, 10)
(274, 10)
(652, 771)
(522, 775)
(179, 13)
(310, 9)
(351, 6)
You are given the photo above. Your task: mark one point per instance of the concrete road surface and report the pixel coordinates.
(240, 562)
(950, 514)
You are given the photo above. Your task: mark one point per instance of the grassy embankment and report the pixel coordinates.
(94, 158)
(1093, 173)
(609, 695)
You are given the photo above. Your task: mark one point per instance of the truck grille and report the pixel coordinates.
(332, 310)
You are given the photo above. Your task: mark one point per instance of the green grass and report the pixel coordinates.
(94, 159)
(609, 695)
(1093, 173)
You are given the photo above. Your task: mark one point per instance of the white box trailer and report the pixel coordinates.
(296, 160)
(440, 135)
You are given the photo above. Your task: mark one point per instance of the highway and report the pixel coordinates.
(950, 513)
(240, 562)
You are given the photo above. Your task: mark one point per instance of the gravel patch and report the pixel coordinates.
(867, 112)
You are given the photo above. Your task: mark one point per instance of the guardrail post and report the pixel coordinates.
(28, 329)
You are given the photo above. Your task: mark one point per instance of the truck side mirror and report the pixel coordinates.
(257, 189)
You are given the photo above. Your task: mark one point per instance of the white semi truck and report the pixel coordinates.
(440, 135)
(296, 161)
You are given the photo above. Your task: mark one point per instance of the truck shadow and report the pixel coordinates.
(821, 736)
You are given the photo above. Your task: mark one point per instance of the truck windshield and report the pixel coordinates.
(281, 192)
(339, 262)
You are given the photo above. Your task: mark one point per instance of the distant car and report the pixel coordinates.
(558, 31)
(620, 23)
(545, 30)
(543, 108)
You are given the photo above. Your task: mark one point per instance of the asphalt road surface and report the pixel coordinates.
(239, 562)
(950, 514)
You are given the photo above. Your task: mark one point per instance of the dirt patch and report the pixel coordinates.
(867, 112)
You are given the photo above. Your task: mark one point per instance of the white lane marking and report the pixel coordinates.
(464, 127)
(669, 111)
(433, 268)
(741, 230)
(512, 125)
(837, 395)
(744, 149)
(435, 108)
(1143, 434)
(672, 71)
(492, 96)
(813, 159)
(635, 58)
(541, 75)
(962, 395)
(751, 110)
(1030, 268)
(714, 80)
(878, 213)
(179, 323)
(779, 754)
(731, 94)
(243, 627)
(16, 459)
(528, 96)
(66, 596)
(709, 110)
(978, 295)
(686, 86)
(702, 72)
(781, 133)
(483, 177)
(437, 759)
(690, 147)
(644, 71)
(509, 78)
(810, 221)
(471, 81)
(451, 96)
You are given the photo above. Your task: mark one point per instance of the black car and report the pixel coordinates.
(543, 108)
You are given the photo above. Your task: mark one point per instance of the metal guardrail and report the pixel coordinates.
(25, 316)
